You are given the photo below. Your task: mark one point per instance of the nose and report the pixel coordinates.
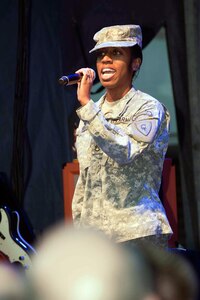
(107, 57)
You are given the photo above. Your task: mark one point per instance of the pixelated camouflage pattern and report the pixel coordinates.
(121, 149)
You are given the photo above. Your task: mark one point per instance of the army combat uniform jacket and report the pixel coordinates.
(121, 147)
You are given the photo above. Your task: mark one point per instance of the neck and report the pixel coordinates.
(114, 95)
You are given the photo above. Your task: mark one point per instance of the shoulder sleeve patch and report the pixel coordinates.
(144, 127)
(144, 130)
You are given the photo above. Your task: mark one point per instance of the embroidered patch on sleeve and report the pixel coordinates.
(144, 130)
(144, 127)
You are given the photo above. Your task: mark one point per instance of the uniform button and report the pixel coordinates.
(96, 148)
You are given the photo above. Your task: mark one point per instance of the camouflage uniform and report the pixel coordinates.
(121, 148)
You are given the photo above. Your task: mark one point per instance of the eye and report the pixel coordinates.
(116, 52)
(100, 54)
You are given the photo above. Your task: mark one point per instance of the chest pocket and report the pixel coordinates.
(83, 146)
(98, 154)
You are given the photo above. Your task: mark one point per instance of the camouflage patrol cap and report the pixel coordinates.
(118, 36)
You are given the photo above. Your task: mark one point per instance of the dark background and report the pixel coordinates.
(41, 40)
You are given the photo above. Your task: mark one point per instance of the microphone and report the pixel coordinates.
(70, 79)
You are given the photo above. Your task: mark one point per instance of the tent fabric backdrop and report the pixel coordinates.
(47, 144)
(49, 110)
(60, 37)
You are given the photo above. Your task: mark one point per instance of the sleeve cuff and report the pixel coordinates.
(88, 112)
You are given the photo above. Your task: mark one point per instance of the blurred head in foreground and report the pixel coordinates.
(82, 264)
(12, 283)
(174, 276)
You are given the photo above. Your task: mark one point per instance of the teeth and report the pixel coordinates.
(107, 70)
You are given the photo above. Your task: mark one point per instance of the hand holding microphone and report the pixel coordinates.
(76, 77)
(84, 77)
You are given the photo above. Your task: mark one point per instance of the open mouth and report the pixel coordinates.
(107, 73)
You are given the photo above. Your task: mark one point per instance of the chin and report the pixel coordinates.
(107, 84)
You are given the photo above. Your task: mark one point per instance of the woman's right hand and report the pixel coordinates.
(85, 85)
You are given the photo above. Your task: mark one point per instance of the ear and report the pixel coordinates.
(136, 64)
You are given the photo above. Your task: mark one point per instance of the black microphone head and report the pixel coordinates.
(63, 80)
(70, 79)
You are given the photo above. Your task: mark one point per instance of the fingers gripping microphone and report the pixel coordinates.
(74, 78)
(70, 79)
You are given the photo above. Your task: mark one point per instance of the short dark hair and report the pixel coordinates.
(136, 52)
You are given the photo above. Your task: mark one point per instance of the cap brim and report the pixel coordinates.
(113, 44)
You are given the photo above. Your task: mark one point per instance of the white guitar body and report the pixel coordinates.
(14, 247)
